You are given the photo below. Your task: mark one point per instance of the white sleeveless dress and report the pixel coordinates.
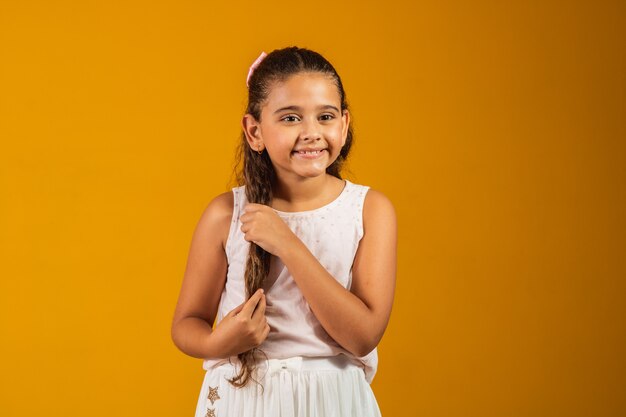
(307, 373)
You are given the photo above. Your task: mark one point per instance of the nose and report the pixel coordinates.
(310, 131)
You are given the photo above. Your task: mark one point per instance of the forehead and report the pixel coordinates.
(304, 90)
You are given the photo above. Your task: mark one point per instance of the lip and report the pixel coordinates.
(309, 153)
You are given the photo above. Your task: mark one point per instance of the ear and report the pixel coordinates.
(252, 131)
(345, 123)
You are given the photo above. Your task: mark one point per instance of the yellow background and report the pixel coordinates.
(497, 129)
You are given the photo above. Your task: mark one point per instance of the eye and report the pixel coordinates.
(289, 117)
(327, 116)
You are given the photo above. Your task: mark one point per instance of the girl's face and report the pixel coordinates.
(302, 126)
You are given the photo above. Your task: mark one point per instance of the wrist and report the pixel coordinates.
(290, 248)
(221, 344)
(213, 346)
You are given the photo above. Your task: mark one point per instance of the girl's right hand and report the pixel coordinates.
(243, 328)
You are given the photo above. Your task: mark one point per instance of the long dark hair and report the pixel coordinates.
(257, 172)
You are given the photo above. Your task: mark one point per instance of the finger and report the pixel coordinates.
(248, 237)
(236, 310)
(252, 207)
(259, 311)
(250, 305)
(266, 331)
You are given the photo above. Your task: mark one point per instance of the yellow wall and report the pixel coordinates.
(497, 128)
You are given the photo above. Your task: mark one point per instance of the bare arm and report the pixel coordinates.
(205, 275)
(204, 279)
(355, 318)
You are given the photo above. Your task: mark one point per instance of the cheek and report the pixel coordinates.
(337, 138)
(279, 145)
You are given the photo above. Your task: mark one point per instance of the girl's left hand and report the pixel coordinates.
(263, 226)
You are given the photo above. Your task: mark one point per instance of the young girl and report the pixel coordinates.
(296, 267)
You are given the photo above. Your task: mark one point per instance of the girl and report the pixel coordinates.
(296, 267)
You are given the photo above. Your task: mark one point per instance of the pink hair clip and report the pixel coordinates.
(254, 65)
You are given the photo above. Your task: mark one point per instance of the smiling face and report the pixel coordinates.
(302, 126)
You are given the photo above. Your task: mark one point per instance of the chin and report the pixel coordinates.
(310, 174)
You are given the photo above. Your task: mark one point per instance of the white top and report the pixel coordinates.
(332, 234)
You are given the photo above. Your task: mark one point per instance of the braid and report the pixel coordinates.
(258, 174)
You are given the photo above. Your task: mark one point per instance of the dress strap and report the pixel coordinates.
(239, 199)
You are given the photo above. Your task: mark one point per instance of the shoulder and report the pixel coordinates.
(376, 201)
(378, 209)
(216, 217)
(221, 206)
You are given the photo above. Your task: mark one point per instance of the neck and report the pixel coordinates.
(301, 189)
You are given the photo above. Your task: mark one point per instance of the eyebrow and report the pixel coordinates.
(297, 108)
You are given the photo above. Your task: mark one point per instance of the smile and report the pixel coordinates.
(309, 154)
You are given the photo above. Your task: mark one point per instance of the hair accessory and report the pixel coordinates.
(254, 65)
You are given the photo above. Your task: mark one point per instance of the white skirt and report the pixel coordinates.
(294, 387)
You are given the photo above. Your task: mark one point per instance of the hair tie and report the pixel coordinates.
(254, 65)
